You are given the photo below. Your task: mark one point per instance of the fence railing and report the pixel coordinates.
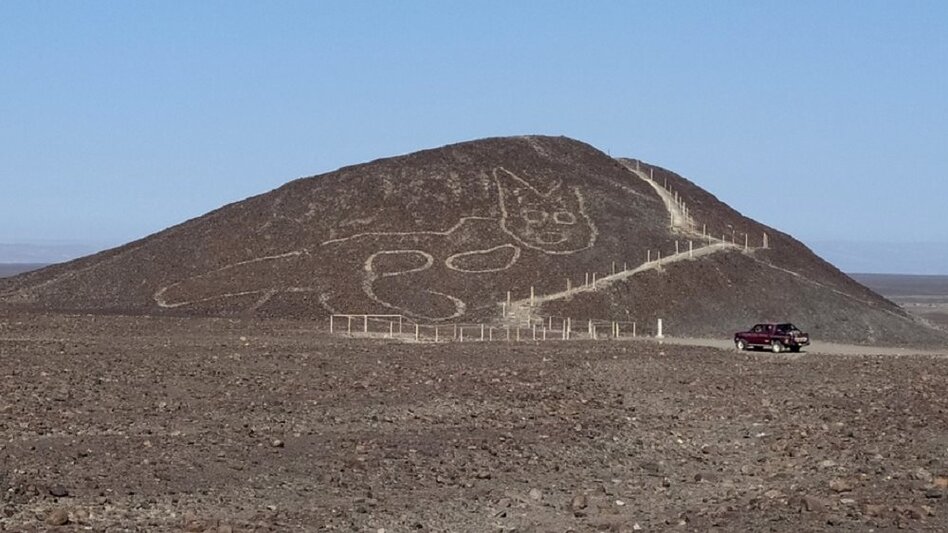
(536, 329)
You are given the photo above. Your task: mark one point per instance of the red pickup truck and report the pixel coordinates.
(776, 337)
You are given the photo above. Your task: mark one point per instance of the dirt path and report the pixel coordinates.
(817, 348)
(680, 221)
(524, 311)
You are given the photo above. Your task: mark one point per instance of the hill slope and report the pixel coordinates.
(444, 234)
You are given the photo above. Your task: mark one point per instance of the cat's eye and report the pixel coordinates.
(534, 216)
(564, 217)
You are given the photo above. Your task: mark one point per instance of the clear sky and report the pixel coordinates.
(827, 120)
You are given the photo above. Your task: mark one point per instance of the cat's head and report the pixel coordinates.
(553, 222)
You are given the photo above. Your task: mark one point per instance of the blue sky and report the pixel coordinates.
(827, 120)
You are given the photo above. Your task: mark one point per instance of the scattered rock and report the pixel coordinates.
(58, 491)
(579, 503)
(813, 504)
(874, 509)
(536, 494)
(651, 468)
(940, 482)
(934, 493)
(840, 485)
(80, 515)
(710, 477)
(910, 511)
(276, 443)
(58, 517)
(923, 475)
(808, 503)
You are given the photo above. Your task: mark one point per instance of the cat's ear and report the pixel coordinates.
(512, 185)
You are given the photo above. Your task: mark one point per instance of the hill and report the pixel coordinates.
(444, 234)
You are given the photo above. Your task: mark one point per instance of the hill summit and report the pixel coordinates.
(445, 234)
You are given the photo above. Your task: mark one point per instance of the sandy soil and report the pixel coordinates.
(145, 424)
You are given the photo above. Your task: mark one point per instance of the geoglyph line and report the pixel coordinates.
(679, 222)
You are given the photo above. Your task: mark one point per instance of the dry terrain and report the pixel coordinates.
(164, 424)
(924, 296)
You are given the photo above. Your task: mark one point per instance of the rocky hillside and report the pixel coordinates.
(442, 235)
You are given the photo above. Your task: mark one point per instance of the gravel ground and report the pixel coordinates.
(143, 424)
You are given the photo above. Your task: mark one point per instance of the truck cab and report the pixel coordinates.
(775, 336)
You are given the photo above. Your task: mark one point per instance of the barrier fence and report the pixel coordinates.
(539, 329)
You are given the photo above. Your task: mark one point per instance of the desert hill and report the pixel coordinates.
(442, 235)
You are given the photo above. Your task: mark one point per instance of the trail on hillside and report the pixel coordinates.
(524, 310)
(680, 221)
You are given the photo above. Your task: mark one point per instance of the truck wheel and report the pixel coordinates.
(776, 347)
(740, 345)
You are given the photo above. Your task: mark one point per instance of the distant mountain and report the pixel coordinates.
(912, 258)
(35, 253)
(442, 235)
(11, 269)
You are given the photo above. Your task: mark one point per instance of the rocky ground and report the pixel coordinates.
(118, 424)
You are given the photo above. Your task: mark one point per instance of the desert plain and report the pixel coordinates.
(111, 423)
